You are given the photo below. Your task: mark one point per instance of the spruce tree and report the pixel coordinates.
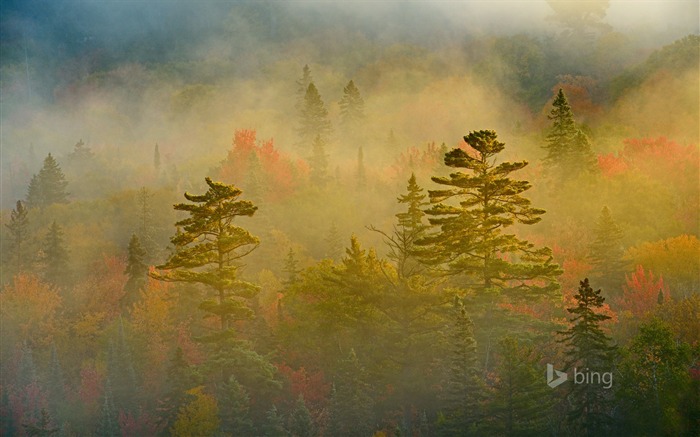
(352, 107)
(463, 389)
(471, 216)
(180, 378)
(606, 252)
(588, 349)
(145, 224)
(136, 270)
(313, 118)
(303, 85)
(55, 256)
(19, 237)
(81, 153)
(300, 422)
(44, 426)
(568, 148)
(351, 403)
(48, 186)
(234, 406)
(318, 163)
(274, 424)
(291, 268)
(121, 372)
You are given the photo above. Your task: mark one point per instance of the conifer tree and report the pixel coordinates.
(291, 268)
(319, 163)
(108, 426)
(145, 221)
(334, 243)
(181, 377)
(120, 368)
(48, 186)
(303, 85)
(588, 349)
(55, 256)
(352, 107)
(19, 237)
(43, 427)
(234, 406)
(313, 118)
(300, 422)
(463, 389)
(56, 384)
(361, 173)
(351, 401)
(568, 148)
(274, 424)
(81, 153)
(606, 252)
(136, 270)
(471, 239)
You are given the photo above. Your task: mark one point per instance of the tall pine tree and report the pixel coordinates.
(136, 270)
(351, 401)
(19, 237)
(55, 256)
(313, 118)
(352, 107)
(318, 163)
(588, 349)
(606, 252)
(48, 186)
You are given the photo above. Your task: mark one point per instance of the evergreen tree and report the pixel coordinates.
(319, 163)
(334, 243)
(521, 404)
(351, 402)
(120, 368)
(81, 153)
(56, 384)
(606, 253)
(48, 186)
(303, 85)
(108, 426)
(300, 422)
(136, 270)
(291, 268)
(463, 389)
(361, 173)
(234, 406)
(568, 148)
(471, 240)
(588, 348)
(181, 377)
(55, 256)
(352, 107)
(43, 427)
(313, 118)
(156, 158)
(274, 424)
(19, 237)
(145, 229)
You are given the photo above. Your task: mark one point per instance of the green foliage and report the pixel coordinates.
(300, 422)
(200, 417)
(568, 149)
(121, 372)
(181, 377)
(234, 406)
(351, 400)
(274, 424)
(656, 384)
(43, 427)
(319, 163)
(19, 237)
(352, 107)
(291, 268)
(136, 270)
(48, 186)
(313, 118)
(588, 348)
(471, 218)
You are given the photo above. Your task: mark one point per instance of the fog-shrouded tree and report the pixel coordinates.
(352, 107)
(19, 237)
(589, 348)
(291, 268)
(606, 253)
(568, 148)
(351, 401)
(54, 258)
(313, 118)
(48, 186)
(303, 84)
(136, 270)
(300, 422)
(318, 163)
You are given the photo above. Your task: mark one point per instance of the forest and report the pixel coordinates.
(318, 219)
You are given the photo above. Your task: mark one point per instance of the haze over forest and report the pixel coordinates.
(431, 193)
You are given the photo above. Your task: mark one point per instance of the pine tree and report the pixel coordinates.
(471, 239)
(291, 268)
(588, 348)
(274, 424)
(145, 228)
(43, 427)
(361, 173)
(234, 406)
(606, 253)
(313, 118)
(19, 237)
(120, 368)
(55, 256)
(136, 270)
(463, 389)
(81, 153)
(352, 107)
(351, 403)
(303, 85)
(181, 377)
(156, 158)
(300, 422)
(108, 426)
(48, 186)
(521, 404)
(568, 148)
(318, 163)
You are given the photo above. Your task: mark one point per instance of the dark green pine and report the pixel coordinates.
(48, 186)
(606, 253)
(274, 424)
(19, 236)
(136, 270)
(291, 268)
(300, 422)
(313, 118)
(352, 106)
(234, 409)
(55, 256)
(351, 402)
(318, 163)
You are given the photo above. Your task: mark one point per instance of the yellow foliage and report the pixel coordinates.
(199, 418)
(150, 316)
(89, 325)
(28, 309)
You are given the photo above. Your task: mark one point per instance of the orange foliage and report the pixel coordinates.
(28, 309)
(312, 386)
(103, 290)
(641, 292)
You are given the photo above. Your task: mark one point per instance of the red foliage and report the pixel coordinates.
(193, 355)
(312, 386)
(641, 292)
(656, 157)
